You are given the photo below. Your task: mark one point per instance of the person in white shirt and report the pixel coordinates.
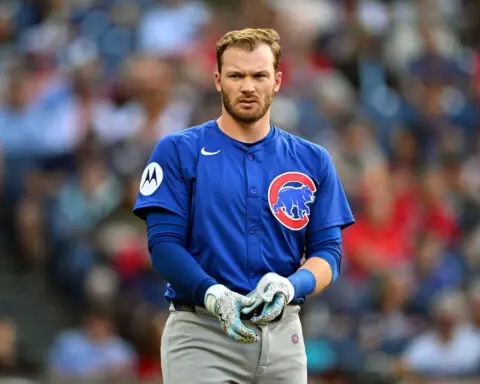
(451, 348)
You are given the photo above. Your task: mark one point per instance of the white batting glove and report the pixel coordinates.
(226, 306)
(276, 292)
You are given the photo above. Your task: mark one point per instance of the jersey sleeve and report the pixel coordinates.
(330, 207)
(162, 184)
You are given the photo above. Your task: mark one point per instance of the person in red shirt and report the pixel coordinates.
(377, 242)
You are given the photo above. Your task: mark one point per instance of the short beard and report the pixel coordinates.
(246, 118)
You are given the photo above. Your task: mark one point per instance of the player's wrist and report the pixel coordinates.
(212, 294)
(291, 290)
(202, 289)
(303, 282)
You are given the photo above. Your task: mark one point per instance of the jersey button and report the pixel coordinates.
(250, 156)
(251, 231)
(253, 191)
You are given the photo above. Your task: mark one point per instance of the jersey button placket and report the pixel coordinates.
(253, 172)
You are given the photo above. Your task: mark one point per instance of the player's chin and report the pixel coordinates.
(249, 116)
(248, 109)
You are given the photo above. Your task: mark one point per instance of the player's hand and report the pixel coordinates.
(226, 306)
(276, 292)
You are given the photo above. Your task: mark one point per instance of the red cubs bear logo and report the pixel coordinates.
(289, 197)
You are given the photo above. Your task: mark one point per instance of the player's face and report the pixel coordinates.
(248, 82)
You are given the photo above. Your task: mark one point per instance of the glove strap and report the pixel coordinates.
(212, 295)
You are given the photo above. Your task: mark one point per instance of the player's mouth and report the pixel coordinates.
(248, 102)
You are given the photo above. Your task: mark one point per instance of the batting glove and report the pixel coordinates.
(226, 306)
(276, 292)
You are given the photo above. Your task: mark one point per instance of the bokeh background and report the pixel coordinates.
(390, 88)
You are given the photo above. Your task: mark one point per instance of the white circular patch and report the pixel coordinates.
(151, 179)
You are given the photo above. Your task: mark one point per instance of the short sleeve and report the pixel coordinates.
(330, 207)
(162, 184)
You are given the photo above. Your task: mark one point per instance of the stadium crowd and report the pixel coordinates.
(390, 88)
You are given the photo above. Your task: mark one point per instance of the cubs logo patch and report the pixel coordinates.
(295, 338)
(289, 197)
(151, 179)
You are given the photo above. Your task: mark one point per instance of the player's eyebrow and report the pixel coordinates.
(234, 72)
(264, 73)
(243, 73)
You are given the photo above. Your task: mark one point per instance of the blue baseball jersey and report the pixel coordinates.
(249, 209)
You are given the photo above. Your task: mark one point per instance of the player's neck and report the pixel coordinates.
(245, 133)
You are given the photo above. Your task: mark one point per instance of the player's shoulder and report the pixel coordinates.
(186, 141)
(190, 135)
(302, 147)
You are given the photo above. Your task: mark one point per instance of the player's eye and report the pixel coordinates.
(260, 75)
(235, 76)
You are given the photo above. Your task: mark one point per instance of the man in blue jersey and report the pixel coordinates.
(233, 207)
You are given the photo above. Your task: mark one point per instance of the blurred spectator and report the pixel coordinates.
(93, 352)
(147, 329)
(452, 348)
(14, 360)
(83, 203)
(469, 180)
(437, 216)
(357, 155)
(20, 134)
(22, 144)
(75, 117)
(474, 300)
(471, 252)
(120, 116)
(151, 82)
(121, 238)
(376, 243)
(389, 327)
(436, 270)
(184, 16)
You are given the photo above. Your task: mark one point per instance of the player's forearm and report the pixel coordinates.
(322, 272)
(166, 234)
(311, 278)
(323, 264)
(177, 266)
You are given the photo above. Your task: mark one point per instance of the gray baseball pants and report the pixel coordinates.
(196, 351)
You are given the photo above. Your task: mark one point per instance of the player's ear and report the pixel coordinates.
(278, 81)
(218, 83)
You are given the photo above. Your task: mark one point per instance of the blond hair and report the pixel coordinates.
(249, 39)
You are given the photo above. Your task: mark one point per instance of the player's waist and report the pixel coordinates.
(180, 306)
(181, 299)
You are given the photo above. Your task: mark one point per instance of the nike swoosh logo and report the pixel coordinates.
(206, 153)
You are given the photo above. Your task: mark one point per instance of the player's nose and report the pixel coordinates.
(247, 86)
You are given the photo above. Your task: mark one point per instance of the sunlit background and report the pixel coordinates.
(390, 88)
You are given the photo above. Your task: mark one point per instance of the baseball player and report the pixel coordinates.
(233, 206)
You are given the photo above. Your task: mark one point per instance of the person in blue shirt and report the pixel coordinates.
(244, 222)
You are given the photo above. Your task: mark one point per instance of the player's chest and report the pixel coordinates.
(255, 184)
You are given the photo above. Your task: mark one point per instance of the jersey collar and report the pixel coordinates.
(270, 138)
